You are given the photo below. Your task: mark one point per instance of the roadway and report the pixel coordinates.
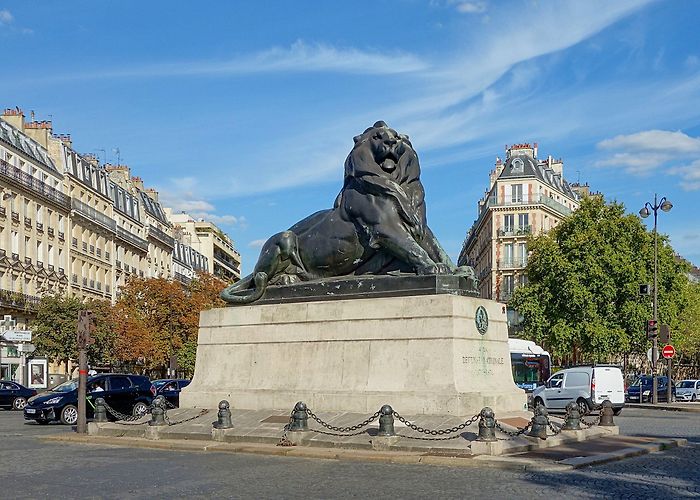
(32, 468)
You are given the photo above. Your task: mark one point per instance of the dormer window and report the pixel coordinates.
(517, 166)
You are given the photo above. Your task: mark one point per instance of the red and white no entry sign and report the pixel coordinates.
(668, 351)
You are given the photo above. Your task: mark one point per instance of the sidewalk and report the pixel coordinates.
(677, 406)
(260, 431)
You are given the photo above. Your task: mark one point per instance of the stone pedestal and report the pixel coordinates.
(423, 355)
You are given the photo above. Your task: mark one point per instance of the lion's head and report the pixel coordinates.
(383, 147)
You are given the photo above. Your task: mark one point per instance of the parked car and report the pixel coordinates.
(688, 390)
(643, 386)
(169, 388)
(14, 395)
(128, 394)
(588, 386)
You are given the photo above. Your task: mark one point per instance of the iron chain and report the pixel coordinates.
(438, 432)
(513, 433)
(343, 430)
(284, 440)
(204, 411)
(127, 418)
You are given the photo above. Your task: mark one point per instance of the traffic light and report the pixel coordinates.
(652, 328)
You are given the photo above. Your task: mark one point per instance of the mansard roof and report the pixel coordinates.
(17, 140)
(524, 166)
(153, 208)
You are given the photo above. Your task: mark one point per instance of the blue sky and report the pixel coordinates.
(243, 112)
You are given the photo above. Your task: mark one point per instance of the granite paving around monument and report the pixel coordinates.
(260, 432)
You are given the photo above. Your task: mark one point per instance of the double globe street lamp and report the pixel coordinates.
(645, 212)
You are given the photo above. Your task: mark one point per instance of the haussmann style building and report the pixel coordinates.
(526, 195)
(71, 226)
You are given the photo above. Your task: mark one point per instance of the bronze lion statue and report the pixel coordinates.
(377, 225)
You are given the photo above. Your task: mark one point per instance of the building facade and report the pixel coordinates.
(525, 196)
(206, 238)
(70, 226)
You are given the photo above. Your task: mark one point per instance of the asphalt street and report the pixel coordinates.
(31, 468)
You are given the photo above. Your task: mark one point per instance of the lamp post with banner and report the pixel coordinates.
(645, 212)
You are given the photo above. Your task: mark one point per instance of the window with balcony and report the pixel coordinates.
(516, 193)
(508, 222)
(508, 254)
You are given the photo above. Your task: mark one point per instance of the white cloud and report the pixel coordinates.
(256, 243)
(5, 17)
(654, 140)
(471, 7)
(690, 175)
(300, 57)
(646, 151)
(181, 199)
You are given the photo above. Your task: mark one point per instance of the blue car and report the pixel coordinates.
(14, 395)
(125, 393)
(643, 386)
(169, 388)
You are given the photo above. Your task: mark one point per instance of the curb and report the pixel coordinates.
(664, 406)
(632, 451)
(406, 458)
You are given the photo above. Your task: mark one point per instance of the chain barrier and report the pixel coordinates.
(343, 431)
(552, 427)
(284, 440)
(127, 418)
(513, 434)
(588, 425)
(438, 432)
(204, 411)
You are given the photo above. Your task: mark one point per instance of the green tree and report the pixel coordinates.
(55, 329)
(582, 297)
(685, 332)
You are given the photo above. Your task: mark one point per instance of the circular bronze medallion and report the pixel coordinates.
(481, 318)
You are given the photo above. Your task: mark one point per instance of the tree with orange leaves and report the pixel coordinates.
(156, 319)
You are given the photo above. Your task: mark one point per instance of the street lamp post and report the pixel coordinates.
(646, 210)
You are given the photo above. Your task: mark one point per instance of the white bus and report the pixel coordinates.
(531, 364)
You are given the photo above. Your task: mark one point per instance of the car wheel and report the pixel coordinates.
(140, 409)
(693, 397)
(69, 415)
(617, 411)
(583, 407)
(19, 403)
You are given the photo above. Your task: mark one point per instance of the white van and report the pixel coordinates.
(588, 386)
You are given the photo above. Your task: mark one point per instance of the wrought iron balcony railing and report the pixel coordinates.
(161, 236)
(18, 300)
(132, 239)
(93, 215)
(25, 181)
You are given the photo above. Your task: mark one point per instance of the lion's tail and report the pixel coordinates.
(241, 293)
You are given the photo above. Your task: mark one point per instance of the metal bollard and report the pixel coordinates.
(386, 421)
(299, 418)
(606, 414)
(223, 418)
(100, 411)
(487, 425)
(573, 418)
(538, 424)
(158, 412)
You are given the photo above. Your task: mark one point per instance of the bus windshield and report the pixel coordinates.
(529, 370)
